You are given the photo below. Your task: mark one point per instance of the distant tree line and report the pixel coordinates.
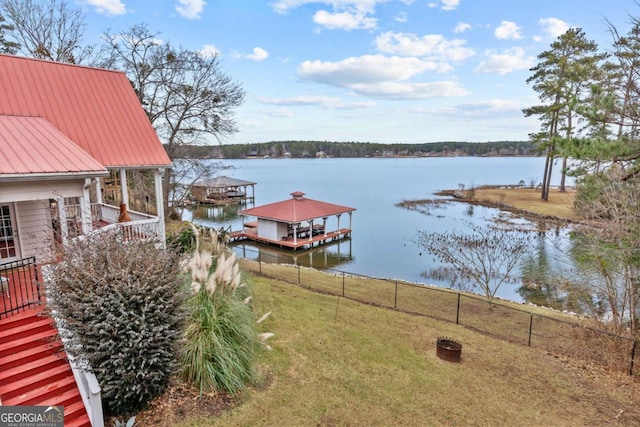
(309, 149)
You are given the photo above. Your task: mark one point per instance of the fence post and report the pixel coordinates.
(633, 355)
(458, 311)
(298, 274)
(530, 329)
(260, 265)
(343, 283)
(395, 298)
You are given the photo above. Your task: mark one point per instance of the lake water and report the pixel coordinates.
(381, 244)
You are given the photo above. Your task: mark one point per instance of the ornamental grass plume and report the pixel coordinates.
(220, 337)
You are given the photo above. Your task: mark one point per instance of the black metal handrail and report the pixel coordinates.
(19, 286)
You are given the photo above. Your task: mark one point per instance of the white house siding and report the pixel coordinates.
(32, 213)
(267, 229)
(40, 190)
(34, 230)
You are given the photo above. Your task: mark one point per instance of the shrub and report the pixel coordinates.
(221, 340)
(120, 307)
(182, 241)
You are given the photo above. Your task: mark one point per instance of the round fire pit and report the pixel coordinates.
(448, 349)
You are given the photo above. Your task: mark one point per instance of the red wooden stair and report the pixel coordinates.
(34, 369)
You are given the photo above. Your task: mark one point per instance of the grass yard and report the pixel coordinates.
(336, 362)
(559, 205)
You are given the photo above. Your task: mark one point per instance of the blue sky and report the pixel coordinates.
(388, 71)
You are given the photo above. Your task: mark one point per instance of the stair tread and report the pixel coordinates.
(12, 331)
(68, 397)
(11, 385)
(40, 395)
(28, 340)
(30, 353)
(78, 422)
(74, 411)
(51, 348)
(22, 317)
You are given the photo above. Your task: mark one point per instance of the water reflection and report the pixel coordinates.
(329, 255)
(216, 213)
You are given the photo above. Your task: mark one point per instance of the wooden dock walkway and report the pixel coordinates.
(288, 242)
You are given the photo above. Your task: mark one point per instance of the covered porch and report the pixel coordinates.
(36, 217)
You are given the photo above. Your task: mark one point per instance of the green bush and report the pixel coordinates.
(121, 310)
(221, 339)
(182, 241)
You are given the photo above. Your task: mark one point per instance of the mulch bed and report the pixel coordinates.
(179, 402)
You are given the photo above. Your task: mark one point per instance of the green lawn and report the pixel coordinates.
(336, 362)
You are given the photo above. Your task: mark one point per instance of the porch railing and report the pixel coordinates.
(134, 230)
(19, 286)
(110, 213)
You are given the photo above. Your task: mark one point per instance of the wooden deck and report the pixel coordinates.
(288, 242)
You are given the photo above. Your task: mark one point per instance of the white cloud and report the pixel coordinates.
(366, 69)
(490, 106)
(401, 17)
(344, 14)
(450, 4)
(411, 91)
(284, 6)
(505, 62)
(344, 20)
(461, 27)
(488, 109)
(209, 50)
(327, 102)
(280, 112)
(554, 27)
(190, 9)
(108, 7)
(432, 46)
(380, 76)
(258, 54)
(508, 31)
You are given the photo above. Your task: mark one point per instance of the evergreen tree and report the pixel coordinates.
(6, 46)
(562, 79)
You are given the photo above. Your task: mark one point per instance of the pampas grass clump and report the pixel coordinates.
(221, 340)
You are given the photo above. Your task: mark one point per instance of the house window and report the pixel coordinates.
(7, 242)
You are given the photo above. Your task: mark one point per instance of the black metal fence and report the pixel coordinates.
(553, 333)
(19, 286)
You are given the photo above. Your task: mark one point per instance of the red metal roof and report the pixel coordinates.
(97, 109)
(296, 209)
(32, 146)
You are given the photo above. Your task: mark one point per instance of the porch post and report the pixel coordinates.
(98, 188)
(310, 230)
(157, 180)
(62, 217)
(350, 220)
(338, 215)
(85, 207)
(124, 191)
(324, 225)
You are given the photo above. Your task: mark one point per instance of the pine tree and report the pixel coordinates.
(562, 79)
